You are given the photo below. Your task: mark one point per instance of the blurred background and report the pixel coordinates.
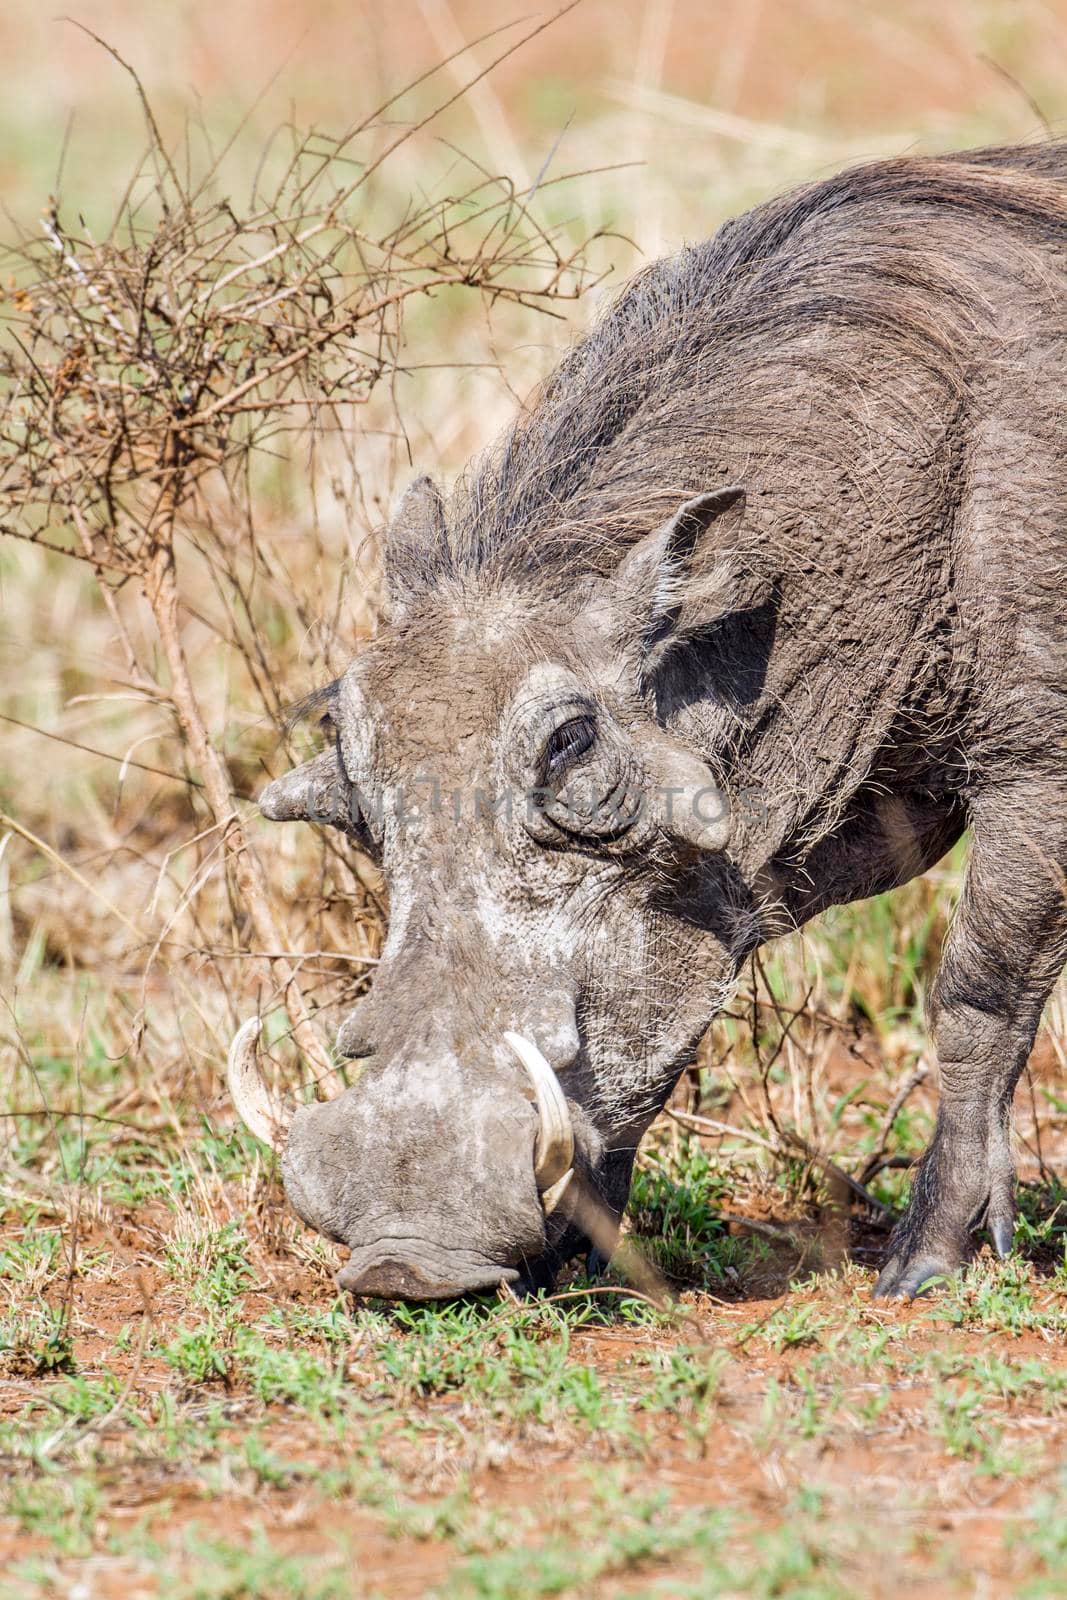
(124, 946)
(714, 100)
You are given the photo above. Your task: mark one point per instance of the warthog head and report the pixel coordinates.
(559, 933)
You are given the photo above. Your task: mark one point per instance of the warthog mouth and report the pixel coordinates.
(401, 1258)
(412, 1269)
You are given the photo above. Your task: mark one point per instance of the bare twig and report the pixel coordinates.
(789, 1142)
(874, 1162)
(702, 1124)
(767, 1230)
(103, 755)
(72, 872)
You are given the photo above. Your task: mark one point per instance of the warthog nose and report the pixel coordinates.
(393, 1279)
(355, 1037)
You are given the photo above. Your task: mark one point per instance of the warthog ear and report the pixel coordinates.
(673, 582)
(416, 544)
(318, 791)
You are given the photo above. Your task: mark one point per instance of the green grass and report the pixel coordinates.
(345, 1409)
(241, 1390)
(675, 1203)
(403, 1418)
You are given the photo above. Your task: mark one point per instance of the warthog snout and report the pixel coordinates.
(440, 1179)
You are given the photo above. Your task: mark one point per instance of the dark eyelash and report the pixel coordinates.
(567, 742)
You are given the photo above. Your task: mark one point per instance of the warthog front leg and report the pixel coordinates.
(1005, 949)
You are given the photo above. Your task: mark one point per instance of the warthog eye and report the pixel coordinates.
(566, 743)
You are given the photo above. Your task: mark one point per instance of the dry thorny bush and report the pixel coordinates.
(152, 382)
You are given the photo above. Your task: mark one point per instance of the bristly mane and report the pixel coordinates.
(726, 342)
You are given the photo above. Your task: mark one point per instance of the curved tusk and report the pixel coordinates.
(551, 1198)
(554, 1150)
(261, 1111)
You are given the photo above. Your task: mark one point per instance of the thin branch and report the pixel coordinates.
(874, 1161)
(104, 755)
(146, 107)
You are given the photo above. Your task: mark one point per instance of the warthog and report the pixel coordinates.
(751, 612)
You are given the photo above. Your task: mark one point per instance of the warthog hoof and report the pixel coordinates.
(909, 1273)
(935, 1237)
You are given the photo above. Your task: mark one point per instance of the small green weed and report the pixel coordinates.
(30, 1258)
(61, 1508)
(202, 1355)
(215, 1569)
(1042, 1534)
(622, 1532)
(674, 1210)
(36, 1340)
(798, 1322)
(963, 1423)
(1003, 1296)
(213, 1263)
(292, 1375)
